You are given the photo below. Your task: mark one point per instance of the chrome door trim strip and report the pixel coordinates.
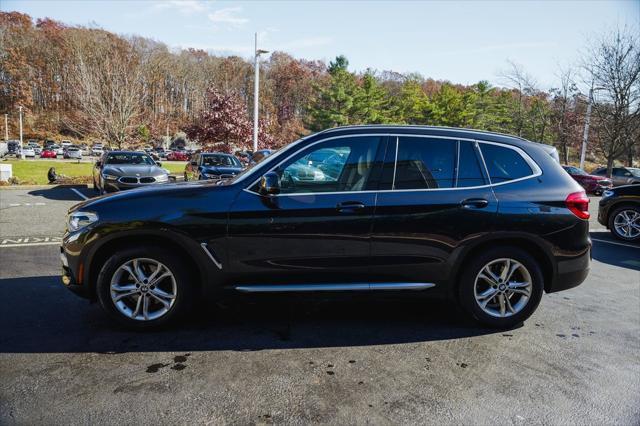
(278, 288)
(207, 250)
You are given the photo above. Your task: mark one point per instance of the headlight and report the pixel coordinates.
(162, 178)
(211, 175)
(78, 220)
(109, 177)
(606, 194)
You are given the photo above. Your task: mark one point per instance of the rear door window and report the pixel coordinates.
(424, 163)
(504, 164)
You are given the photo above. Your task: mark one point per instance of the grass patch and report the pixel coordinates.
(34, 172)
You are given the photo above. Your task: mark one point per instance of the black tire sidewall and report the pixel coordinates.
(612, 218)
(466, 290)
(184, 297)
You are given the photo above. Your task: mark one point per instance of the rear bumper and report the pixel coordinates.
(571, 272)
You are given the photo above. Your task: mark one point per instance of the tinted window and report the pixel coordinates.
(424, 163)
(504, 164)
(338, 165)
(469, 168)
(600, 172)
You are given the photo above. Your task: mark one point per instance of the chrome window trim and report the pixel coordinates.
(395, 163)
(537, 171)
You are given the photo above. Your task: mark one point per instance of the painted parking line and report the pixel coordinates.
(80, 194)
(27, 204)
(615, 243)
(29, 241)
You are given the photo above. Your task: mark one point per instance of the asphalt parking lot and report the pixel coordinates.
(576, 361)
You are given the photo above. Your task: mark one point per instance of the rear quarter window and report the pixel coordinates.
(504, 164)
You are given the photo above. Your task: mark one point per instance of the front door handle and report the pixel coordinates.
(474, 203)
(350, 206)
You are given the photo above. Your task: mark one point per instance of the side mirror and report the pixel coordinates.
(159, 164)
(269, 184)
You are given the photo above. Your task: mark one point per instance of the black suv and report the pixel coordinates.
(488, 220)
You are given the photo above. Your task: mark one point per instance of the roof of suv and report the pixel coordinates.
(440, 131)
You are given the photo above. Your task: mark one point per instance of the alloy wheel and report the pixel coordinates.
(143, 289)
(627, 224)
(503, 287)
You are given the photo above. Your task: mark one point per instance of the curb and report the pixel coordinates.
(54, 186)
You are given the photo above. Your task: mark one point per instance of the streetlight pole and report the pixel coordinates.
(21, 154)
(587, 122)
(585, 133)
(256, 83)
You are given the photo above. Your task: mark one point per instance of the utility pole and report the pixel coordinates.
(256, 83)
(6, 127)
(585, 133)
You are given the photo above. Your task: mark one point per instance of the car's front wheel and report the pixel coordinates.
(501, 287)
(144, 288)
(624, 223)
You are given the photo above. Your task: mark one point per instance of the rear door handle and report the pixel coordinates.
(474, 203)
(350, 206)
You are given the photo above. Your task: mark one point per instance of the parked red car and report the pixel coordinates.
(178, 156)
(592, 184)
(48, 153)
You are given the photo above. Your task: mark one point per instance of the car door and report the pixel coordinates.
(317, 230)
(434, 194)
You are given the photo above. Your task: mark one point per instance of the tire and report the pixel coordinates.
(624, 212)
(178, 285)
(523, 308)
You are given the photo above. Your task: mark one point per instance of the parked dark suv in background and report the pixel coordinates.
(488, 220)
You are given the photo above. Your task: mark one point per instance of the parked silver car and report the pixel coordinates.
(621, 175)
(118, 170)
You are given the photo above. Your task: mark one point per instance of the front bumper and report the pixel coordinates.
(112, 186)
(69, 278)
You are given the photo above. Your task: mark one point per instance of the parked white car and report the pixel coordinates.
(65, 143)
(59, 150)
(27, 151)
(73, 152)
(97, 150)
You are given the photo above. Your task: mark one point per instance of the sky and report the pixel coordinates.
(460, 41)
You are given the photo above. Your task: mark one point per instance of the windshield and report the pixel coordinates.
(634, 171)
(220, 160)
(129, 158)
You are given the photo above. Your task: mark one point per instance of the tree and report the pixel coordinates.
(563, 107)
(335, 103)
(613, 66)
(107, 75)
(224, 125)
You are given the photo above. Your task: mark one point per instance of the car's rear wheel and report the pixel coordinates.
(501, 287)
(144, 288)
(624, 223)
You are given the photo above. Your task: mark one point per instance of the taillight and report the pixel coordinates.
(578, 203)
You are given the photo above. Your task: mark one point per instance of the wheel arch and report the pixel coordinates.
(527, 244)
(189, 252)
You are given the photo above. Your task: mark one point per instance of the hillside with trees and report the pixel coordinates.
(90, 84)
